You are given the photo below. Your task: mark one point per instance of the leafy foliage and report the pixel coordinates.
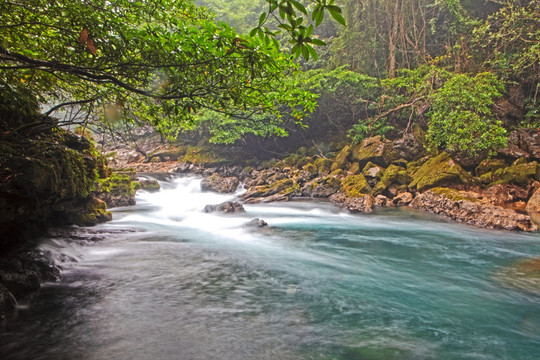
(461, 118)
(151, 61)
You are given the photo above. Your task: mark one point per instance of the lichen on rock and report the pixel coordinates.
(355, 186)
(440, 170)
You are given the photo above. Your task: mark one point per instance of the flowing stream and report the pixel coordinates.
(171, 282)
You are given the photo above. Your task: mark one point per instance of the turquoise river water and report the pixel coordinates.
(167, 281)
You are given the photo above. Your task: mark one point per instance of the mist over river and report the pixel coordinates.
(169, 281)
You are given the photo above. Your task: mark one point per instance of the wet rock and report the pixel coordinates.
(439, 171)
(278, 191)
(361, 204)
(256, 223)
(462, 207)
(403, 199)
(7, 302)
(182, 168)
(505, 194)
(322, 187)
(372, 171)
(227, 207)
(20, 284)
(381, 200)
(220, 184)
(149, 185)
(533, 205)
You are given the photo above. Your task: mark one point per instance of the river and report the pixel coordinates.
(167, 281)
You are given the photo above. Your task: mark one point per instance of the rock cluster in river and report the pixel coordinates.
(494, 193)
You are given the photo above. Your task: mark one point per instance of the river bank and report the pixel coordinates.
(500, 192)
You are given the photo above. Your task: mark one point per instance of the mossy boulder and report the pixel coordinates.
(322, 187)
(354, 169)
(342, 158)
(520, 173)
(392, 175)
(372, 171)
(42, 176)
(355, 186)
(147, 185)
(489, 165)
(371, 149)
(279, 190)
(323, 166)
(311, 169)
(116, 190)
(440, 170)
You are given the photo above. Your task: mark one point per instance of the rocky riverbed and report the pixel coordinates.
(500, 192)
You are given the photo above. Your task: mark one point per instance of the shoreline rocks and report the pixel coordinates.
(457, 206)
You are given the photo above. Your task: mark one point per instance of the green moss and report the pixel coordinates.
(268, 164)
(202, 156)
(323, 166)
(117, 184)
(453, 194)
(519, 174)
(291, 160)
(489, 165)
(371, 149)
(338, 172)
(282, 187)
(355, 168)
(342, 158)
(392, 175)
(355, 186)
(310, 168)
(439, 171)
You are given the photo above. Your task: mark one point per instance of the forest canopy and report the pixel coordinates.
(151, 61)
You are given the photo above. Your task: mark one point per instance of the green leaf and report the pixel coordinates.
(318, 42)
(299, 6)
(337, 16)
(262, 18)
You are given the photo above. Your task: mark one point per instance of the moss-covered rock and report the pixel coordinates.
(279, 190)
(322, 187)
(489, 165)
(371, 149)
(147, 185)
(311, 169)
(355, 186)
(354, 169)
(342, 158)
(373, 171)
(392, 175)
(520, 173)
(116, 190)
(440, 170)
(323, 166)
(43, 176)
